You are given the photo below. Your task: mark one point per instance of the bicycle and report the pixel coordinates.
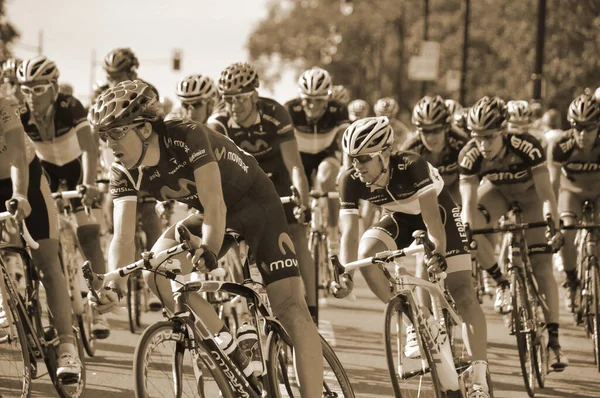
(435, 372)
(588, 274)
(211, 372)
(70, 257)
(527, 323)
(34, 337)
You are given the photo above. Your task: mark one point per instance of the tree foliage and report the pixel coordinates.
(8, 33)
(380, 36)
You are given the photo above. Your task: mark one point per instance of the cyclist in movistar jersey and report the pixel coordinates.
(195, 165)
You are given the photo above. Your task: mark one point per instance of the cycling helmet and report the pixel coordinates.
(366, 136)
(315, 82)
(9, 69)
(237, 78)
(460, 119)
(340, 94)
(453, 106)
(430, 112)
(597, 94)
(194, 87)
(37, 69)
(519, 112)
(489, 113)
(65, 88)
(120, 60)
(584, 109)
(386, 107)
(127, 102)
(358, 107)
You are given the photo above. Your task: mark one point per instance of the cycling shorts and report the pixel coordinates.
(311, 161)
(259, 217)
(281, 179)
(570, 204)
(395, 231)
(71, 173)
(42, 222)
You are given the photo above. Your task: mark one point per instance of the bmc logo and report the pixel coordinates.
(567, 145)
(526, 147)
(582, 166)
(448, 169)
(507, 176)
(470, 158)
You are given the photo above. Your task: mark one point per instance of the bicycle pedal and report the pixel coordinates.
(69, 379)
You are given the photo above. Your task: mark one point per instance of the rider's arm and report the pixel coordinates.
(19, 168)
(543, 187)
(210, 194)
(121, 251)
(553, 169)
(349, 188)
(88, 142)
(433, 220)
(468, 193)
(293, 164)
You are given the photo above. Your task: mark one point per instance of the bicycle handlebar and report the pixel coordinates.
(580, 226)
(510, 227)
(13, 206)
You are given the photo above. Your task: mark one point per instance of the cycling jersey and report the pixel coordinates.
(447, 162)
(63, 147)
(272, 127)
(253, 206)
(580, 168)
(511, 170)
(410, 177)
(318, 136)
(10, 124)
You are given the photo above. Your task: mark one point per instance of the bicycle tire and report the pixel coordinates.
(540, 341)
(134, 301)
(396, 312)
(172, 331)
(22, 378)
(316, 254)
(594, 313)
(281, 369)
(84, 322)
(521, 314)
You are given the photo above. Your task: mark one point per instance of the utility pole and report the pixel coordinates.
(40, 42)
(425, 38)
(462, 97)
(537, 75)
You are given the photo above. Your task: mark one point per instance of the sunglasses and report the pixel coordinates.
(312, 102)
(362, 159)
(237, 98)
(117, 133)
(36, 90)
(433, 130)
(196, 103)
(587, 127)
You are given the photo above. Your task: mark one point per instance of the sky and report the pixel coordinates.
(211, 33)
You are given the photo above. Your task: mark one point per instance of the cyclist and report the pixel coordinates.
(358, 109)
(198, 95)
(341, 95)
(65, 88)
(57, 126)
(11, 84)
(454, 107)
(21, 178)
(519, 116)
(319, 123)
(195, 165)
(389, 108)
(264, 129)
(513, 168)
(413, 196)
(574, 160)
(436, 142)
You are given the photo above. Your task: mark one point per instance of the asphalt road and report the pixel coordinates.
(354, 328)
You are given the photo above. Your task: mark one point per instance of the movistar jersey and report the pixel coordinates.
(184, 147)
(580, 168)
(511, 170)
(410, 177)
(316, 137)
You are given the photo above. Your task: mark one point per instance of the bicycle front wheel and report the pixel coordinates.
(282, 376)
(164, 366)
(134, 300)
(594, 319)
(522, 317)
(84, 322)
(413, 374)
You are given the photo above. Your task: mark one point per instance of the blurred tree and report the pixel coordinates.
(8, 33)
(379, 37)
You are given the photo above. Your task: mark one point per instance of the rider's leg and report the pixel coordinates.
(88, 234)
(308, 270)
(150, 221)
(570, 209)
(326, 181)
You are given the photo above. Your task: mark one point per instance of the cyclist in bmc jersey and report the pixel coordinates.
(436, 141)
(264, 129)
(513, 169)
(319, 123)
(413, 197)
(195, 165)
(22, 179)
(63, 140)
(357, 109)
(340, 94)
(389, 108)
(575, 168)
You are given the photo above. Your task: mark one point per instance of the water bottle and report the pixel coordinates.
(247, 337)
(230, 347)
(442, 355)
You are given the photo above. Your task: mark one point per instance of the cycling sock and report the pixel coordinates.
(571, 274)
(552, 335)
(497, 274)
(89, 240)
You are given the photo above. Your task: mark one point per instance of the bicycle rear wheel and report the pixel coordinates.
(593, 314)
(161, 367)
(281, 371)
(15, 371)
(411, 377)
(134, 300)
(540, 338)
(522, 317)
(84, 322)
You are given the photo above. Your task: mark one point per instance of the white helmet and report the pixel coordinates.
(194, 87)
(453, 106)
(519, 112)
(315, 82)
(368, 136)
(597, 94)
(37, 69)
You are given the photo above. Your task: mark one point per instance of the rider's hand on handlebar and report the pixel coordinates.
(110, 294)
(90, 195)
(204, 259)
(344, 288)
(437, 263)
(302, 214)
(556, 241)
(23, 207)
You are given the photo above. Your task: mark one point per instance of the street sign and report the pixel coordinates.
(453, 80)
(425, 66)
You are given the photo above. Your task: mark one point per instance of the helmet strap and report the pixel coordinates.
(383, 173)
(145, 145)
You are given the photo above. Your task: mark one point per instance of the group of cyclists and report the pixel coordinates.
(230, 154)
